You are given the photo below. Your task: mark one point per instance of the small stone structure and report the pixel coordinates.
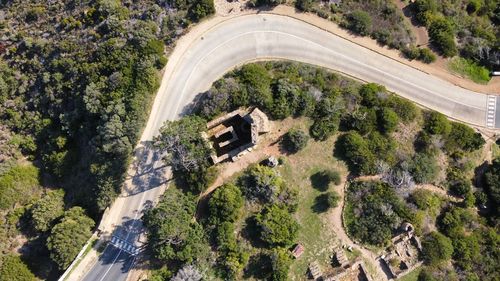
(353, 272)
(297, 251)
(403, 256)
(235, 133)
(315, 270)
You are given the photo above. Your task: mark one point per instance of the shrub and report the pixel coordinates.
(18, 185)
(304, 5)
(294, 140)
(405, 109)
(442, 36)
(225, 203)
(437, 124)
(332, 199)
(436, 248)
(278, 227)
(325, 127)
(424, 168)
(370, 93)
(424, 9)
(322, 179)
(354, 148)
(364, 120)
(201, 9)
(388, 120)
(46, 210)
(261, 183)
(411, 52)
(426, 55)
(359, 22)
(281, 261)
(13, 268)
(463, 138)
(492, 183)
(257, 85)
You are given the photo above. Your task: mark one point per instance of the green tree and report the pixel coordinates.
(424, 168)
(294, 140)
(201, 9)
(46, 210)
(172, 233)
(492, 183)
(388, 120)
(262, 183)
(437, 124)
(436, 248)
(424, 9)
(257, 85)
(278, 227)
(225, 203)
(442, 36)
(332, 199)
(359, 22)
(463, 137)
(281, 261)
(354, 149)
(67, 237)
(13, 269)
(187, 151)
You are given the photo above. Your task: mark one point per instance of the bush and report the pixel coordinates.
(436, 248)
(281, 261)
(354, 149)
(225, 203)
(492, 183)
(463, 138)
(442, 36)
(201, 9)
(278, 227)
(13, 269)
(294, 140)
(364, 120)
(332, 199)
(304, 5)
(424, 168)
(411, 52)
(261, 183)
(388, 120)
(18, 185)
(437, 124)
(405, 109)
(257, 83)
(68, 237)
(426, 56)
(322, 179)
(359, 22)
(323, 128)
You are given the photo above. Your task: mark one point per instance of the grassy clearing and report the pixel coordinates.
(412, 276)
(469, 69)
(315, 234)
(495, 148)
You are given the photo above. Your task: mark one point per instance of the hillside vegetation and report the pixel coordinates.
(76, 82)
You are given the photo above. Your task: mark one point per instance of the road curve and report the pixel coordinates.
(196, 63)
(263, 36)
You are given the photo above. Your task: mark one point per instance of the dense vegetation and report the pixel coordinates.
(76, 81)
(380, 134)
(469, 28)
(465, 28)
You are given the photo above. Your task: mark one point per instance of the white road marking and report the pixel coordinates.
(490, 111)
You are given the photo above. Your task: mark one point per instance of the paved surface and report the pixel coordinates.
(196, 63)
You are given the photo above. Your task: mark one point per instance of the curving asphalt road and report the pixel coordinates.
(195, 64)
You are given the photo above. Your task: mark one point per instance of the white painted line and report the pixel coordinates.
(490, 111)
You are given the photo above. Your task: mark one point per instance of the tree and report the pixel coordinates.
(324, 127)
(424, 168)
(13, 269)
(187, 151)
(172, 233)
(332, 199)
(262, 183)
(437, 124)
(436, 248)
(304, 5)
(201, 9)
(388, 120)
(286, 99)
(67, 237)
(442, 36)
(405, 109)
(278, 227)
(354, 149)
(257, 85)
(294, 140)
(281, 261)
(188, 273)
(46, 210)
(463, 137)
(492, 183)
(424, 9)
(426, 56)
(225, 203)
(359, 22)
